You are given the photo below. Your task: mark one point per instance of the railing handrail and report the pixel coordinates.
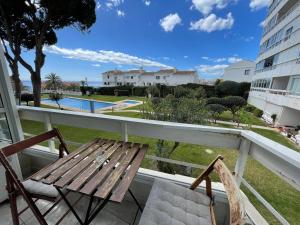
(283, 161)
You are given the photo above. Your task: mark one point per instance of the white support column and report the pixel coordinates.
(124, 132)
(242, 160)
(48, 127)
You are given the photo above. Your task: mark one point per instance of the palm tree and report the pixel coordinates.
(53, 81)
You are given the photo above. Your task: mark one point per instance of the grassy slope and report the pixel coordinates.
(282, 196)
(227, 116)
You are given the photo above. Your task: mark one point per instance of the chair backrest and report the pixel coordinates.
(24, 144)
(236, 207)
(237, 211)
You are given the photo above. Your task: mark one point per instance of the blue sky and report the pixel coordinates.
(206, 35)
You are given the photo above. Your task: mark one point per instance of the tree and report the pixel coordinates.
(216, 110)
(227, 88)
(153, 91)
(234, 104)
(27, 97)
(182, 110)
(41, 19)
(214, 100)
(53, 82)
(13, 36)
(55, 96)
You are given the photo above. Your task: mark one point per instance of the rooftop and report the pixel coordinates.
(143, 72)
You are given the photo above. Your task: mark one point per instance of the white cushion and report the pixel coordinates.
(35, 187)
(171, 204)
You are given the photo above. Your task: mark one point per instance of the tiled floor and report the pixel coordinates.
(112, 214)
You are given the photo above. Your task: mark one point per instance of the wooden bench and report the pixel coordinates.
(172, 204)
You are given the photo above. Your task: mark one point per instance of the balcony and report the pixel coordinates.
(284, 13)
(288, 68)
(243, 149)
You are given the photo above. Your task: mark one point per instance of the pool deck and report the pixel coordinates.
(119, 105)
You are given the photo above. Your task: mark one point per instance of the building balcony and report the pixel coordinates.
(282, 45)
(243, 150)
(279, 97)
(288, 68)
(286, 15)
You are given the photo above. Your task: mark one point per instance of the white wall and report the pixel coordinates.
(236, 71)
(146, 79)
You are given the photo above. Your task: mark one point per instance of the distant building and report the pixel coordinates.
(276, 84)
(169, 77)
(241, 71)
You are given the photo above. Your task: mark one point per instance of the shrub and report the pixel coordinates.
(27, 97)
(227, 88)
(216, 110)
(180, 92)
(118, 92)
(153, 91)
(234, 104)
(258, 112)
(214, 100)
(250, 108)
(139, 91)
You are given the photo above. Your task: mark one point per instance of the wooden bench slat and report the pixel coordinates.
(114, 177)
(65, 168)
(92, 184)
(119, 193)
(47, 170)
(85, 163)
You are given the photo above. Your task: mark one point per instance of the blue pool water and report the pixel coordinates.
(131, 102)
(79, 103)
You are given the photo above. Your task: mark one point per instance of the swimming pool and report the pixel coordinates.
(79, 103)
(131, 102)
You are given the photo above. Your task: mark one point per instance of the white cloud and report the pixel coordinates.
(262, 23)
(215, 70)
(120, 13)
(102, 56)
(248, 39)
(96, 65)
(232, 59)
(98, 5)
(113, 3)
(206, 6)
(185, 56)
(147, 2)
(169, 22)
(213, 23)
(259, 4)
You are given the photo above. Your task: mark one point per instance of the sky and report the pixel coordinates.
(202, 35)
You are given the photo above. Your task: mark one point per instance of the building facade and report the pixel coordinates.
(241, 71)
(275, 86)
(169, 77)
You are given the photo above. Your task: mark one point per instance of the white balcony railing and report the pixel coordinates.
(279, 159)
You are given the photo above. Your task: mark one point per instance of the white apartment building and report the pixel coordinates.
(276, 84)
(169, 77)
(241, 71)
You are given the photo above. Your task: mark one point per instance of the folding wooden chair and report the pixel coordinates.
(31, 191)
(174, 204)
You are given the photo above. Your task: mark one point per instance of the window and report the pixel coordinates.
(131, 77)
(288, 33)
(104, 83)
(157, 77)
(107, 76)
(247, 72)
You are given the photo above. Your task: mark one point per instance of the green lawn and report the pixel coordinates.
(111, 98)
(281, 195)
(227, 116)
(275, 136)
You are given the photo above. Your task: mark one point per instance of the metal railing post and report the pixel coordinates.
(124, 132)
(48, 127)
(242, 160)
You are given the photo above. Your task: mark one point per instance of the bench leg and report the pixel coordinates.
(12, 196)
